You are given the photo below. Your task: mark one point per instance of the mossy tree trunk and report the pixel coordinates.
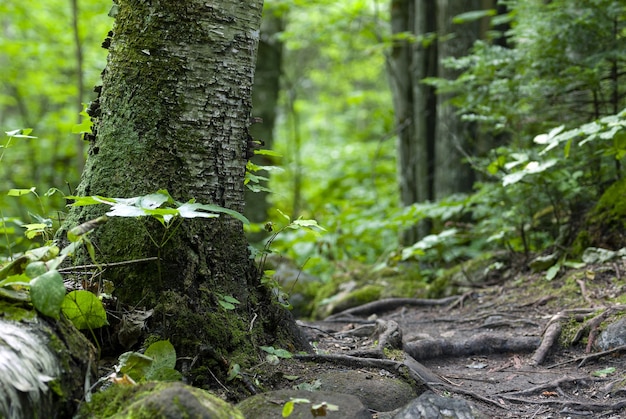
(173, 113)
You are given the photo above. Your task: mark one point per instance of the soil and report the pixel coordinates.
(524, 348)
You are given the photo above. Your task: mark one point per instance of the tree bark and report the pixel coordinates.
(454, 137)
(43, 365)
(414, 104)
(173, 114)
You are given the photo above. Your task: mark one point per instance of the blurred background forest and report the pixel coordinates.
(412, 131)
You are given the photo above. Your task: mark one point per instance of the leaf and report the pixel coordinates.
(74, 234)
(135, 365)
(213, 209)
(84, 309)
(226, 305)
(283, 353)
(20, 192)
(163, 354)
(288, 409)
(552, 272)
(472, 16)
(264, 152)
(604, 372)
(80, 201)
(307, 223)
(233, 372)
(231, 299)
(47, 293)
(20, 133)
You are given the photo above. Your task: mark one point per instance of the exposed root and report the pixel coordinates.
(483, 343)
(549, 339)
(388, 304)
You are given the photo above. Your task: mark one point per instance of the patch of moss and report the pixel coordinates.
(359, 296)
(16, 311)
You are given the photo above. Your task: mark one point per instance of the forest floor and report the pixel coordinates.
(523, 348)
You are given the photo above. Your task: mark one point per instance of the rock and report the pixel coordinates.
(376, 391)
(270, 405)
(158, 400)
(613, 336)
(431, 406)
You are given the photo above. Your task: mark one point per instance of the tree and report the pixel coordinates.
(414, 57)
(264, 103)
(173, 113)
(454, 138)
(432, 140)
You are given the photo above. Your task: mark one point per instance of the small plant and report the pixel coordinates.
(317, 409)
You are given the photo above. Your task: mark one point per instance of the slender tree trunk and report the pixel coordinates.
(454, 137)
(173, 114)
(264, 104)
(414, 103)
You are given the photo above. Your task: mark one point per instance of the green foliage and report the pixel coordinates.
(155, 364)
(84, 309)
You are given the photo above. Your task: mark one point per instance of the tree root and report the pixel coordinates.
(387, 304)
(483, 343)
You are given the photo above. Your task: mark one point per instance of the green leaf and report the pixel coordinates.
(472, 16)
(20, 133)
(75, 233)
(230, 299)
(20, 192)
(47, 293)
(211, 208)
(135, 365)
(226, 305)
(163, 354)
(81, 201)
(283, 353)
(84, 309)
(604, 372)
(264, 152)
(288, 409)
(552, 272)
(307, 223)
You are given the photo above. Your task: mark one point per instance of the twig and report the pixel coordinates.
(107, 265)
(583, 291)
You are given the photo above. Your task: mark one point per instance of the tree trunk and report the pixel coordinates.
(414, 103)
(264, 104)
(43, 364)
(454, 137)
(174, 111)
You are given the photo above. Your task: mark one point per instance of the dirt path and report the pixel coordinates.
(525, 349)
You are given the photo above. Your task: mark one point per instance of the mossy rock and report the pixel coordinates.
(158, 400)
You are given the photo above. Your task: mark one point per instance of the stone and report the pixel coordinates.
(270, 405)
(431, 406)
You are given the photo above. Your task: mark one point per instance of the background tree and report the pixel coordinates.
(264, 106)
(433, 142)
(173, 113)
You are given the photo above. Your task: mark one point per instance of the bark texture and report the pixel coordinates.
(43, 365)
(173, 113)
(455, 138)
(414, 103)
